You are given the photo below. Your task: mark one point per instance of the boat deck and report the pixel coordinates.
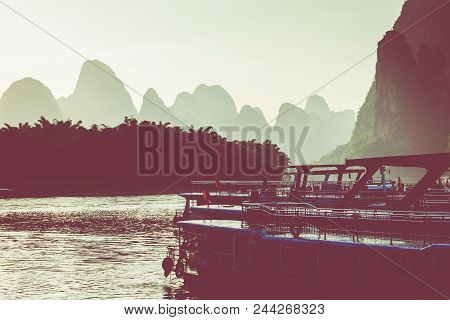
(214, 194)
(294, 209)
(216, 211)
(273, 232)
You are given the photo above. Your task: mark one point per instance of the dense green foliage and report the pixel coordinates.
(64, 151)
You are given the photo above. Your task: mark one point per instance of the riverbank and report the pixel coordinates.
(87, 189)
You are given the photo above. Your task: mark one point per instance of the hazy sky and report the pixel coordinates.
(264, 53)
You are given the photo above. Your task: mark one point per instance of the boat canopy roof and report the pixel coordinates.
(435, 164)
(407, 161)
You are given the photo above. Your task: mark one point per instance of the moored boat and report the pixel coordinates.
(360, 191)
(346, 239)
(268, 261)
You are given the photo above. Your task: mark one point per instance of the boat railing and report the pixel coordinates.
(229, 193)
(225, 183)
(352, 235)
(305, 209)
(316, 187)
(218, 193)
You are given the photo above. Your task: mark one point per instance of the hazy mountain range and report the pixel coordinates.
(407, 109)
(101, 98)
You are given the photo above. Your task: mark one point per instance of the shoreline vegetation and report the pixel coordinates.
(62, 158)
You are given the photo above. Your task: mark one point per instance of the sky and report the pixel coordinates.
(263, 52)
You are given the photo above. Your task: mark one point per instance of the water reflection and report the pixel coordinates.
(87, 248)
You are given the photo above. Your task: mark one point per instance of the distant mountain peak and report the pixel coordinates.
(26, 100)
(184, 103)
(202, 86)
(152, 97)
(288, 109)
(99, 96)
(214, 87)
(90, 65)
(154, 109)
(211, 105)
(249, 115)
(318, 106)
(97, 69)
(28, 81)
(151, 93)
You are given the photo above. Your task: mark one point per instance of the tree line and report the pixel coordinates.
(67, 152)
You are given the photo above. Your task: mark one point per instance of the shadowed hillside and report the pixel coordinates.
(407, 109)
(432, 31)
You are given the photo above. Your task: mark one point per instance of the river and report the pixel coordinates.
(88, 248)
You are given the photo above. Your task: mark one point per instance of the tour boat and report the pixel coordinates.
(345, 241)
(360, 190)
(273, 261)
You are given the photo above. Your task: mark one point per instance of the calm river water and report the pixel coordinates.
(87, 248)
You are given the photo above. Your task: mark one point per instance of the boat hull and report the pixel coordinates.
(250, 264)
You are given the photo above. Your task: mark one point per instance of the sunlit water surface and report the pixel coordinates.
(87, 248)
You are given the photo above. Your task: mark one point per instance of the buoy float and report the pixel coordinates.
(176, 219)
(167, 265)
(296, 230)
(355, 216)
(179, 269)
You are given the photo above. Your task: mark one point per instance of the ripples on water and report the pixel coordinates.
(87, 248)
